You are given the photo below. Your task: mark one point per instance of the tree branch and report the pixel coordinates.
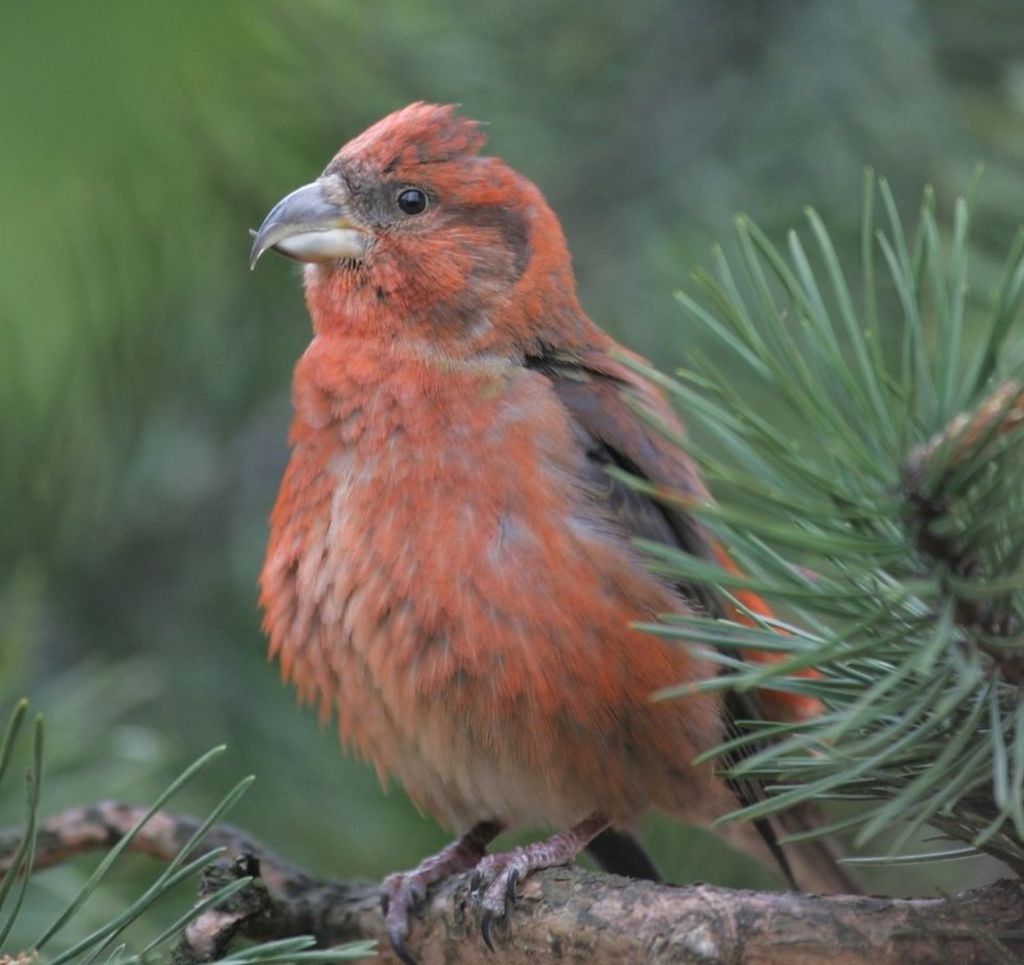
(564, 914)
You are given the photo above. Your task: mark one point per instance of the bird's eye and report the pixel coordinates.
(412, 201)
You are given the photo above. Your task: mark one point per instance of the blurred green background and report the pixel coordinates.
(144, 371)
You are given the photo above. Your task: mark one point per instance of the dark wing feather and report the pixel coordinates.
(594, 389)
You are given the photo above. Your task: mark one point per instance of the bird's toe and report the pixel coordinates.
(400, 896)
(496, 898)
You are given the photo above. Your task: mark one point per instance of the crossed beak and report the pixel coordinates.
(308, 226)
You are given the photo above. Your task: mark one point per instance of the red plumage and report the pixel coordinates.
(450, 567)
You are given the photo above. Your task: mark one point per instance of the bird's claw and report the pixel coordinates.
(396, 939)
(400, 896)
(494, 886)
(505, 885)
(486, 920)
(512, 879)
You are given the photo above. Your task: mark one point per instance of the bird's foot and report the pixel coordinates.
(497, 875)
(401, 894)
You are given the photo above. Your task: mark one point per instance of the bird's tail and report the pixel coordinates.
(815, 861)
(811, 865)
(808, 865)
(619, 852)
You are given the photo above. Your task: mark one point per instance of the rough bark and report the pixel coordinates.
(563, 915)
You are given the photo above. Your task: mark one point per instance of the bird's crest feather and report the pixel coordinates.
(418, 134)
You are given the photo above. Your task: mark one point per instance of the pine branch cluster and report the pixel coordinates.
(885, 528)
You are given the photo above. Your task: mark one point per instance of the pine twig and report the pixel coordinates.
(1002, 412)
(927, 477)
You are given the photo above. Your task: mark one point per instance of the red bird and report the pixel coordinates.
(450, 566)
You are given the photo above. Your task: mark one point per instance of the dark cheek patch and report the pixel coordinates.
(509, 224)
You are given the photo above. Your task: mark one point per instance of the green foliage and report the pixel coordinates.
(21, 863)
(96, 944)
(890, 540)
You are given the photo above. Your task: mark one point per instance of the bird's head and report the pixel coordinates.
(410, 232)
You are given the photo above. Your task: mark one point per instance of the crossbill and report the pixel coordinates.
(451, 569)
